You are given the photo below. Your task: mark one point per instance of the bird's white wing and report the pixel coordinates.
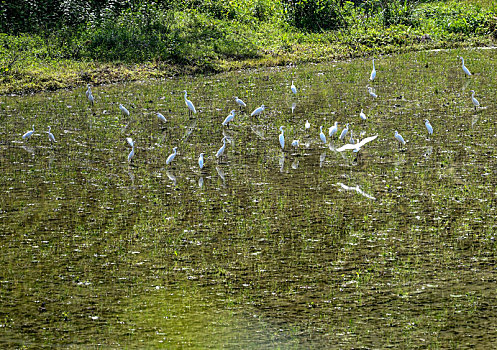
(347, 146)
(366, 140)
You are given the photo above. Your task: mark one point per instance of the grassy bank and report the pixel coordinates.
(150, 40)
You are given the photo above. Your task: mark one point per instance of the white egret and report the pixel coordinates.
(293, 106)
(429, 127)
(28, 134)
(221, 150)
(333, 130)
(88, 90)
(161, 117)
(229, 118)
(201, 161)
(475, 101)
(356, 146)
(295, 143)
(132, 144)
(344, 132)
(171, 156)
(466, 70)
(189, 104)
(307, 124)
(91, 98)
(399, 138)
(371, 92)
(123, 110)
(282, 138)
(294, 89)
(322, 136)
(351, 140)
(362, 115)
(373, 73)
(240, 102)
(258, 111)
(50, 135)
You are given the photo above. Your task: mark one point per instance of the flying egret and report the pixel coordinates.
(373, 73)
(161, 117)
(171, 156)
(50, 135)
(399, 138)
(333, 130)
(282, 138)
(240, 102)
(362, 115)
(429, 127)
(344, 132)
(466, 70)
(295, 143)
(201, 161)
(371, 92)
(229, 118)
(294, 89)
(307, 124)
(28, 134)
(132, 144)
(356, 146)
(475, 101)
(221, 150)
(258, 111)
(123, 110)
(322, 135)
(189, 104)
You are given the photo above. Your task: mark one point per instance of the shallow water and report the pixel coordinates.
(263, 248)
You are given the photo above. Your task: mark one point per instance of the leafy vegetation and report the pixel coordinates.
(213, 35)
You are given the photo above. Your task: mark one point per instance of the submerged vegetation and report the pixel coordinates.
(56, 44)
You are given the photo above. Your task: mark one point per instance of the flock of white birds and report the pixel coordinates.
(355, 146)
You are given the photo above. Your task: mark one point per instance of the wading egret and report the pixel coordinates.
(475, 101)
(362, 115)
(295, 143)
(428, 127)
(161, 117)
(373, 73)
(201, 161)
(258, 111)
(132, 144)
(466, 70)
(221, 150)
(88, 90)
(333, 130)
(28, 134)
(171, 156)
(307, 124)
(344, 132)
(229, 118)
(356, 146)
(240, 102)
(123, 110)
(91, 98)
(294, 89)
(371, 92)
(322, 136)
(189, 104)
(282, 138)
(351, 140)
(399, 138)
(50, 135)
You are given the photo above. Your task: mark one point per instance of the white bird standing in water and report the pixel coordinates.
(282, 138)
(221, 150)
(88, 90)
(123, 110)
(362, 115)
(373, 73)
(475, 101)
(132, 144)
(171, 156)
(399, 138)
(50, 135)
(201, 161)
(161, 117)
(28, 134)
(333, 130)
(371, 92)
(466, 70)
(229, 118)
(344, 132)
(351, 140)
(356, 146)
(258, 111)
(189, 104)
(322, 136)
(294, 89)
(307, 124)
(240, 102)
(428, 127)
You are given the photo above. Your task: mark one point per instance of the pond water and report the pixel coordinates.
(262, 248)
